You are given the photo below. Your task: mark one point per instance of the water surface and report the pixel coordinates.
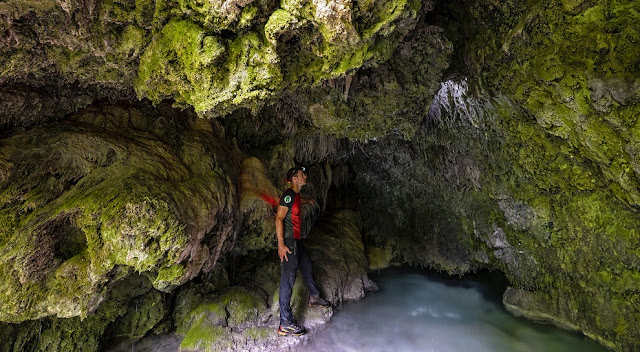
(414, 311)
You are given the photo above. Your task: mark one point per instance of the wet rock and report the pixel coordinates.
(239, 317)
(337, 251)
(542, 308)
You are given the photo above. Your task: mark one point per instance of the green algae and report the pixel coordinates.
(77, 334)
(207, 71)
(105, 211)
(562, 165)
(205, 337)
(255, 65)
(210, 324)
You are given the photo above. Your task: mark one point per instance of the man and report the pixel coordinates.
(292, 253)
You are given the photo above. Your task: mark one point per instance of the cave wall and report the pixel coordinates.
(109, 192)
(525, 163)
(127, 220)
(214, 57)
(567, 66)
(468, 134)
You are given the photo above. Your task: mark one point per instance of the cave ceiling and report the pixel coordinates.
(482, 134)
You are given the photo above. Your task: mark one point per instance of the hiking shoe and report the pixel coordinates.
(319, 302)
(292, 329)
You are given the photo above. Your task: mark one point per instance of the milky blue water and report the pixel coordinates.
(416, 312)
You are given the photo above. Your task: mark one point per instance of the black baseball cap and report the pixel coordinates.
(292, 171)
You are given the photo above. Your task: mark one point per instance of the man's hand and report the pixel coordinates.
(282, 252)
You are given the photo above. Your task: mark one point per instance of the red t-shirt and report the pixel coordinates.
(291, 200)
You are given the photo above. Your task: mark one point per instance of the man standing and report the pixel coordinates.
(292, 253)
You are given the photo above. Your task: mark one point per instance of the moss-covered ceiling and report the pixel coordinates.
(483, 134)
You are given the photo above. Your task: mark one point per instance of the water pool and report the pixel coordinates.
(415, 311)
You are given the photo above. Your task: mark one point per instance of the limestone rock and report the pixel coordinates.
(237, 318)
(110, 192)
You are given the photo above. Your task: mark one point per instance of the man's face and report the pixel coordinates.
(300, 178)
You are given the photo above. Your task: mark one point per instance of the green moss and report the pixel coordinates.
(568, 151)
(140, 12)
(247, 17)
(327, 118)
(247, 69)
(205, 337)
(115, 208)
(143, 313)
(234, 307)
(197, 53)
(205, 71)
(393, 98)
(210, 312)
(353, 59)
(279, 22)
(16, 337)
(242, 305)
(379, 258)
(218, 17)
(97, 49)
(167, 277)
(132, 40)
(302, 9)
(381, 18)
(77, 334)
(210, 325)
(179, 41)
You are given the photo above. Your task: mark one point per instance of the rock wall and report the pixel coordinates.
(525, 166)
(113, 209)
(212, 56)
(566, 65)
(468, 134)
(110, 192)
(244, 317)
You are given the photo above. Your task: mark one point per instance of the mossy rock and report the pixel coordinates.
(378, 258)
(540, 308)
(214, 324)
(143, 314)
(192, 62)
(392, 98)
(235, 307)
(109, 192)
(202, 336)
(93, 332)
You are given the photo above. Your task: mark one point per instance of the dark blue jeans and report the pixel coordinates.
(298, 258)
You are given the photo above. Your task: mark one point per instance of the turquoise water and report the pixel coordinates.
(417, 312)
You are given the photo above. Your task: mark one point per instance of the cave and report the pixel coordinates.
(143, 143)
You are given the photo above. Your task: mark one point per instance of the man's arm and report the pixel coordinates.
(282, 248)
